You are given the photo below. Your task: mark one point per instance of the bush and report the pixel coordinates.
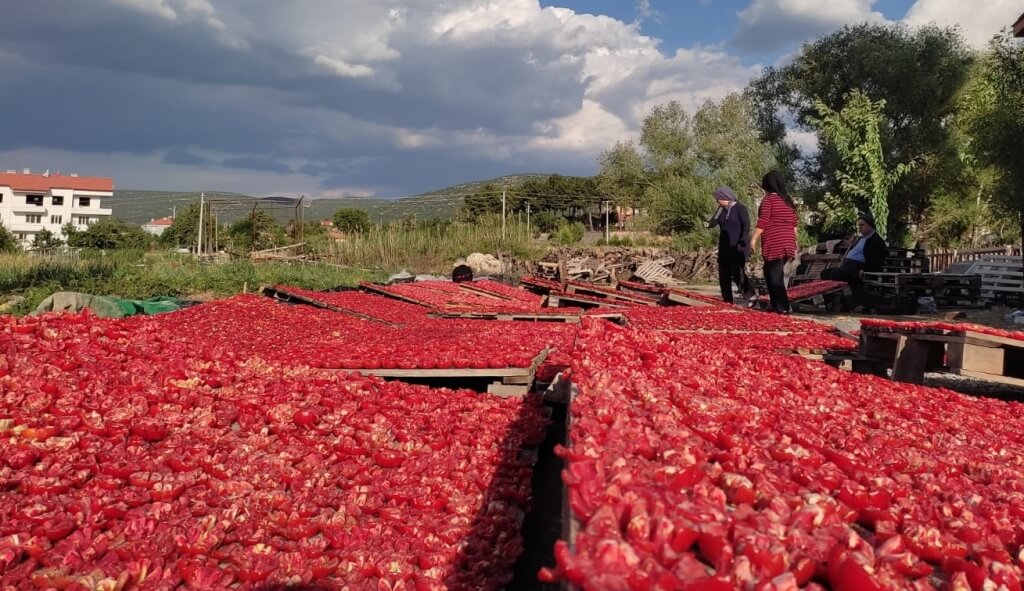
(351, 221)
(108, 234)
(547, 222)
(569, 233)
(7, 241)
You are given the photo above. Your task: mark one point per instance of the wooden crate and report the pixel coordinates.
(965, 353)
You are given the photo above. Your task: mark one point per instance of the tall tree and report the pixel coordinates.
(917, 72)
(680, 159)
(993, 115)
(256, 231)
(864, 179)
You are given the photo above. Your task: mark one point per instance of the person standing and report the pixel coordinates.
(776, 222)
(733, 222)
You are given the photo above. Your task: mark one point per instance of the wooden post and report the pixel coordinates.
(910, 361)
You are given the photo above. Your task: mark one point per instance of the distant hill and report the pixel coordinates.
(138, 206)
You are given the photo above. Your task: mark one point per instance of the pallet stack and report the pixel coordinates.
(905, 260)
(884, 294)
(948, 291)
(1002, 278)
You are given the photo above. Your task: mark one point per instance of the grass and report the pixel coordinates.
(138, 275)
(429, 249)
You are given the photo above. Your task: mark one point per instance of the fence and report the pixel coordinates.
(940, 259)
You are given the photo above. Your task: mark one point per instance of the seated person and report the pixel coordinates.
(866, 255)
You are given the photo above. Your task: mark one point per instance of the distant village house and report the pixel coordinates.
(157, 227)
(30, 203)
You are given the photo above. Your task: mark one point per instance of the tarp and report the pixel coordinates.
(107, 306)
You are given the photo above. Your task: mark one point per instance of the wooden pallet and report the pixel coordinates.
(1001, 277)
(508, 381)
(561, 299)
(382, 290)
(539, 285)
(606, 293)
(965, 353)
(508, 316)
(283, 295)
(674, 297)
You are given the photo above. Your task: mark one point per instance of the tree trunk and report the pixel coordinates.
(1020, 221)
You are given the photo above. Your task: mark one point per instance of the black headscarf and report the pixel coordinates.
(774, 182)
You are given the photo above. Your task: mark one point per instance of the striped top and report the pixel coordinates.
(778, 222)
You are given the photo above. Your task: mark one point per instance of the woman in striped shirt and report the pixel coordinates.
(776, 222)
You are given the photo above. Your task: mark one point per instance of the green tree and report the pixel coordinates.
(8, 243)
(993, 116)
(110, 234)
(483, 201)
(680, 159)
(864, 179)
(256, 231)
(917, 72)
(351, 220)
(184, 231)
(45, 239)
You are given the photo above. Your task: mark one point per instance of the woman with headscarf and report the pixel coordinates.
(733, 222)
(776, 222)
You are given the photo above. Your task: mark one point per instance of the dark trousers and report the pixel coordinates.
(775, 281)
(730, 269)
(849, 272)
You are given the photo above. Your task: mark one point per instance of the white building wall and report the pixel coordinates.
(22, 215)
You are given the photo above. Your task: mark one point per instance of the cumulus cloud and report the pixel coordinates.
(978, 24)
(768, 25)
(380, 95)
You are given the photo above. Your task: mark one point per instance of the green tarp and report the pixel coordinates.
(106, 306)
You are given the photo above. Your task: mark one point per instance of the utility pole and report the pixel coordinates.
(606, 227)
(528, 234)
(502, 214)
(174, 211)
(216, 231)
(202, 206)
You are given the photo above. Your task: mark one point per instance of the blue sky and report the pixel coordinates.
(334, 98)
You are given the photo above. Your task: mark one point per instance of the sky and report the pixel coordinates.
(335, 98)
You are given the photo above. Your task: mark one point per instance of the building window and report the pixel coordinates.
(33, 219)
(19, 235)
(81, 220)
(84, 201)
(57, 200)
(34, 199)
(56, 219)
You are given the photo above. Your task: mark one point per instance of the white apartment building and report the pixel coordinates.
(33, 202)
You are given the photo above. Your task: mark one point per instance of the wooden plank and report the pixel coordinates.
(613, 296)
(506, 391)
(685, 301)
(387, 293)
(965, 356)
(288, 296)
(443, 373)
(910, 361)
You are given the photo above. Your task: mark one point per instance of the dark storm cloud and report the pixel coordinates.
(184, 157)
(256, 163)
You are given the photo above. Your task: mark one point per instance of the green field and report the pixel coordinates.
(140, 206)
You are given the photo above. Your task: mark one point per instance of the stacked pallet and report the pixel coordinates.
(1002, 277)
(905, 260)
(948, 291)
(885, 295)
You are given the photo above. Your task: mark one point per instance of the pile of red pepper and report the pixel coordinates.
(719, 319)
(693, 465)
(253, 326)
(504, 291)
(539, 284)
(133, 462)
(939, 327)
(810, 289)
